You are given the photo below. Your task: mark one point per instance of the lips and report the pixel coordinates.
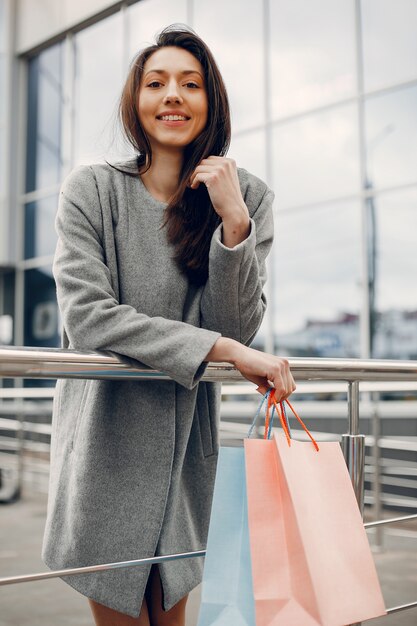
(173, 114)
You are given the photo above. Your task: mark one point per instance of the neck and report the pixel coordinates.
(161, 179)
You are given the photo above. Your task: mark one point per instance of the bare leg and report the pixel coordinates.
(104, 616)
(159, 617)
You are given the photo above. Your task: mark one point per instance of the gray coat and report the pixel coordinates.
(132, 462)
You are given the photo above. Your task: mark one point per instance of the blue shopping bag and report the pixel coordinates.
(227, 593)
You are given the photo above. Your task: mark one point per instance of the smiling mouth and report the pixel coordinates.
(172, 118)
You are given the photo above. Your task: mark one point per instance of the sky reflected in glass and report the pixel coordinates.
(248, 151)
(233, 31)
(391, 133)
(98, 85)
(312, 54)
(317, 265)
(149, 17)
(396, 250)
(316, 157)
(389, 41)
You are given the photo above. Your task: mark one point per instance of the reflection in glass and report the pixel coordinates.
(45, 101)
(312, 53)
(396, 297)
(98, 85)
(391, 133)
(41, 309)
(40, 237)
(41, 318)
(389, 41)
(317, 267)
(149, 17)
(234, 32)
(2, 167)
(3, 93)
(248, 150)
(316, 158)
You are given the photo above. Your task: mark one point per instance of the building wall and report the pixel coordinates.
(324, 108)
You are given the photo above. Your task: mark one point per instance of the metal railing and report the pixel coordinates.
(55, 363)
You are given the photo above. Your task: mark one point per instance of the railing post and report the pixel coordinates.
(353, 446)
(376, 431)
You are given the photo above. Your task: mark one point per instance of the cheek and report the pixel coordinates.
(204, 112)
(144, 109)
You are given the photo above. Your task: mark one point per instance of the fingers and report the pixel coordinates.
(282, 379)
(278, 375)
(212, 165)
(200, 177)
(262, 389)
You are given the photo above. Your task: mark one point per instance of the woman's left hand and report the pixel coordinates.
(219, 174)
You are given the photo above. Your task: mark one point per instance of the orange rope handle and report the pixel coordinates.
(282, 420)
(302, 424)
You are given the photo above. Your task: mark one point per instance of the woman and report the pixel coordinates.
(160, 260)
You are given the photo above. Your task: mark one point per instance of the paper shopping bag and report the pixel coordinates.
(227, 594)
(311, 561)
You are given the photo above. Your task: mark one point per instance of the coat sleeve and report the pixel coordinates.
(92, 317)
(233, 301)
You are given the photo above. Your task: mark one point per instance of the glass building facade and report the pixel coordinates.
(324, 108)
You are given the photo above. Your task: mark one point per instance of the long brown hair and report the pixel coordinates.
(190, 218)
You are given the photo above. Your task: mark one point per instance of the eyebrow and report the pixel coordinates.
(184, 72)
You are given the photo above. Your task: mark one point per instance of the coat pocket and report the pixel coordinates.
(80, 413)
(204, 421)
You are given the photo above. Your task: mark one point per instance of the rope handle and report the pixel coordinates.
(269, 416)
(282, 418)
(302, 424)
(279, 407)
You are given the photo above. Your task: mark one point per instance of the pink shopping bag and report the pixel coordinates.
(311, 560)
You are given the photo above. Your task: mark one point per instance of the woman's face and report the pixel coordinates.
(172, 104)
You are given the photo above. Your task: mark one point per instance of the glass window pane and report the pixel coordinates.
(396, 271)
(40, 237)
(41, 309)
(248, 150)
(41, 316)
(316, 293)
(316, 158)
(149, 17)
(45, 102)
(2, 17)
(312, 53)
(2, 157)
(234, 32)
(391, 133)
(389, 41)
(98, 85)
(3, 93)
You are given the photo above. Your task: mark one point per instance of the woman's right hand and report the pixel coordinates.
(263, 369)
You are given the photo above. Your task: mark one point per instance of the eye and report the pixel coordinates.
(192, 85)
(154, 84)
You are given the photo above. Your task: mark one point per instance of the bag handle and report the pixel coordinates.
(302, 423)
(269, 416)
(272, 406)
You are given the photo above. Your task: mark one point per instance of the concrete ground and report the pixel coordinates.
(53, 603)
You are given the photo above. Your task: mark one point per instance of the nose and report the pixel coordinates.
(172, 94)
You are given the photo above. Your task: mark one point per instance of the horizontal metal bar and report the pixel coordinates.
(58, 363)
(12, 580)
(27, 578)
(238, 388)
(392, 520)
(402, 607)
